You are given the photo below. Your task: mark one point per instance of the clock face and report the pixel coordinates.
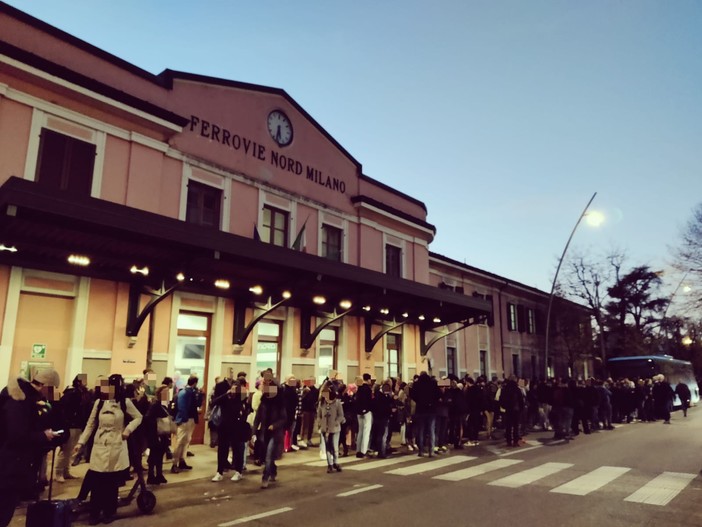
(280, 128)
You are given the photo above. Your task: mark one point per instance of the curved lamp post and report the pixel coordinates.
(555, 279)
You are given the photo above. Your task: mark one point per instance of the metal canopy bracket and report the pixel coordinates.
(463, 325)
(241, 329)
(136, 319)
(372, 341)
(308, 337)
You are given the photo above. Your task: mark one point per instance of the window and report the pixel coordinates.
(65, 163)
(534, 366)
(203, 206)
(516, 370)
(394, 351)
(511, 317)
(451, 360)
(331, 242)
(483, 362)
(393, 261)
(275, 226)
(531, 321)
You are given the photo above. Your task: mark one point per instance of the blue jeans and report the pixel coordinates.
(425, 424)
(270, 470)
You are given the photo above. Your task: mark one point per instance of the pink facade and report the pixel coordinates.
(194, 150)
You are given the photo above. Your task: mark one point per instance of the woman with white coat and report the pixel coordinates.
(109, 458)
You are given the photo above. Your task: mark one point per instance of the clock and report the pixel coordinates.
(280, 128)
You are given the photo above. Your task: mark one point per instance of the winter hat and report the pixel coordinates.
(47, 377)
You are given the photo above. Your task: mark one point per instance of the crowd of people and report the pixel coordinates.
(118, 424)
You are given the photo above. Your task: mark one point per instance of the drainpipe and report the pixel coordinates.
(502, 338)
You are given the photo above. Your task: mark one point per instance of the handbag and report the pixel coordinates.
(165, 426)
(216, 416)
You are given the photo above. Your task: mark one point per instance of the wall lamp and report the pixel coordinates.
(9, 248)
(345, 304)
(222, 284)
(319, 300)
(143, 271)
(287, 294)
(256, 289)
(77, 259)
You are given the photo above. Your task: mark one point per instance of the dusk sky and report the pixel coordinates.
(503, 117)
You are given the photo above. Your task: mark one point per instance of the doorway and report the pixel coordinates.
(192, 358)
(268, 346)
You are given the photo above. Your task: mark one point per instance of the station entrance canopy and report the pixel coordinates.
(41, 229)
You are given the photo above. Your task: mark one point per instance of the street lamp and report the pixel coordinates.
(555, 277)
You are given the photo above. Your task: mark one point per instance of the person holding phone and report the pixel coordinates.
(26, 437)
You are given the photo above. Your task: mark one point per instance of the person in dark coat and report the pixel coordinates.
(75, 408)
(663, 397)
(476, 403)
(26, 437)
(425, 393)
(157, 442)
(382, 407)
(512, 401)
(457, 404)
(682, 390)
(270, 422)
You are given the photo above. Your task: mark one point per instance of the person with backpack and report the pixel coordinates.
(512, 402)
(25, 437)
(109, 458)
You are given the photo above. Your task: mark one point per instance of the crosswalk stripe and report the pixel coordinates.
(431, 465)
(591, 481)
(662, 489)
(358, 491)
(381, 463)
(342, 461)
(531, 475)
(477, 470)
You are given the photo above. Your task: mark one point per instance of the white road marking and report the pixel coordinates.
(342, 461)
(518, 451)
(256, 517)
(358, 491)
(382, 463)
(591, 481)
(531, 475)
(662, 489)
(477, 470)
(431, 465)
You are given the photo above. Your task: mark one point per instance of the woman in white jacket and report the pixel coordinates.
(110, 456)
(330, 414)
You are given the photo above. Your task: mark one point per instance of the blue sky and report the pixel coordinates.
(502, 116)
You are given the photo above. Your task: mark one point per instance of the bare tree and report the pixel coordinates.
(688, 255)
(589, 279)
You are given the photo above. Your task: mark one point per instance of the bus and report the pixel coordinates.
(646, 366)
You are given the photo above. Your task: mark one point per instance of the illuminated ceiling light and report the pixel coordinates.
(222, 284)
(405, 314)
(143, 271)
(287, 294)
(77, 259)
(319, 300)
(256, 289)
(385, 311)
(180, 277)
(436, 320)
(9, 248)
(345, 304)
(366, 308)
(421, 317)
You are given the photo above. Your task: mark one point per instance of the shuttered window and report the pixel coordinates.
(65, 163)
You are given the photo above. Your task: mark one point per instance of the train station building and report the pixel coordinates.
(197, 224)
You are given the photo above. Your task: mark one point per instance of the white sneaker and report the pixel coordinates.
(295, 448)
(302, 444)
(237, 476)
(218, 477)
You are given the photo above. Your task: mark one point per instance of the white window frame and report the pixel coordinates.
(42, 119)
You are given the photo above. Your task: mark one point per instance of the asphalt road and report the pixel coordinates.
(642, 474)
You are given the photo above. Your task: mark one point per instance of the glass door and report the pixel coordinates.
(268, 347)
(192, 358)
(326, 354)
